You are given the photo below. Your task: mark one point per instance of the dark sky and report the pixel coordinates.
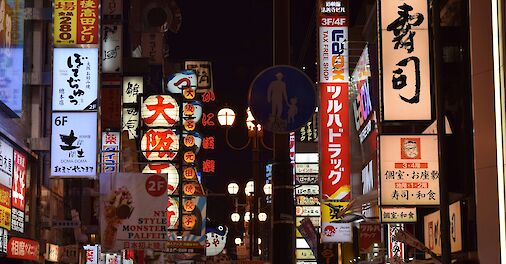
(236, 36)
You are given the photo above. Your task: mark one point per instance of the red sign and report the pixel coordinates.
(369, 234)
(208, 143)
(160, 144)
(334, 140)
(21, 248)
(156, 185)
(18, 181)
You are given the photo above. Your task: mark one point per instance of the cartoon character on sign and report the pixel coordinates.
(216, 238)
(330, 231)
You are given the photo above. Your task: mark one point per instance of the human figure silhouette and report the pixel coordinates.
(292, 109)
(276, 94)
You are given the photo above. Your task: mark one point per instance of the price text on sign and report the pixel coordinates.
(76, 22)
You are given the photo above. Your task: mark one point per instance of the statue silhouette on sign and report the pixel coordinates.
(292, 109)
(277, 96)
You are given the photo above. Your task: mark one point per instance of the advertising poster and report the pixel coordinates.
(5, 207)
(11, 54)
(19, 181)
(74, 144)
(75, 79)
(409, 170)
(76, 22)
(405, 60)
(133, 209)
(6, 164)
(112, 37)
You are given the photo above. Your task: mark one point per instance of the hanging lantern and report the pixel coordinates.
(178, 81)
(160, 144)
(189, 157)
(189, 205)
(160, 111)
(192, 110)
(189, 222)
(172, 174)
(190, 173)
(191, 139)
(172, 213)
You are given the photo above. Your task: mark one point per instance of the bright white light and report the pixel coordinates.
(238, 240)
(250, 188)
(247, 217)
(235, 217)
(262, 217)
(233, 188)
(259, 241)
(226, 117)
(268, 189)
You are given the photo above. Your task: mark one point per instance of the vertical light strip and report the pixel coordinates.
(496, 35)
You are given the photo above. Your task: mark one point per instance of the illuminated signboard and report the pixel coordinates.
(112, 48)
(405, 60)
(74, 144)
(7, 164)
(91, 254)
(165, 168)
(20, 248)
(432, 229)
(333, 79)
(75, 79)
(160, 144)
(395, 248)
(130, 121)
(398, 215)
(11, 54)
(110, 151)
(132, 87)
(76, 22)
(204, 74)
(5, 207)
(409, 170)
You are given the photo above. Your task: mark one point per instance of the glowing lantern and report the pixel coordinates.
(172, 174)
(160, 144)
(189, 156)
(192, 136)
(189, 222)
(189, 205)
(189, 188)
(172, 213)
(192, 110)
(190, 173)
(160, 111)
(178, 81)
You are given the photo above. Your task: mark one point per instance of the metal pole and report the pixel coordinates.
(257, 190)
(283, 218)
(441, 134)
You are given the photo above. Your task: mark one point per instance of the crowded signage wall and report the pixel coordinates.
(432, 229)
(75, 79)
(76, 22)
(73, 144)
(11, 54)
(333, 78)
(405, 60)
(6, 163)
(112, 48)
(409, 170)
(133, 207)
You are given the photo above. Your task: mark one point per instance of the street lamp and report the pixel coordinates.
(262, 217)
(233, 188)
(268, 189)
(235, 217)
(226, 116)
(238, 241)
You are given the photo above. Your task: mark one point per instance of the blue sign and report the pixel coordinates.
(282, 98)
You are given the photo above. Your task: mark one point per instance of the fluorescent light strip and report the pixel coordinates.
(496, 34)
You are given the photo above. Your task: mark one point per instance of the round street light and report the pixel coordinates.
(268, 189)
(262, 217)
(247, 217)
(233, 188)
(226, 117)
(238, 240)
(235, 217)
(250, 188)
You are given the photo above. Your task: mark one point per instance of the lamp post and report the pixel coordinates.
(226, 118)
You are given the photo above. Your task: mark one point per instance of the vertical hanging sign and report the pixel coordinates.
(76, 22)
(405, 63)
(334, 132)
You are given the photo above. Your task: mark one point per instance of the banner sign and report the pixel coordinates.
(409, 170)
(112, 41)
(369, 234)
(91, 254)
(5, 207)
(76, 22)
(74, 144)
(110, 151)
(75, 79)
(405, 60)
(396, 249)
(132, 87)
(20, 248)
(432, 230)
(12, 14)
(17, 220)
(133, 210)
(6, 163)
(19, 181)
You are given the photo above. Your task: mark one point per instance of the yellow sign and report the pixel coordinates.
(75, 22)
(330, 211)
(304, 254)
